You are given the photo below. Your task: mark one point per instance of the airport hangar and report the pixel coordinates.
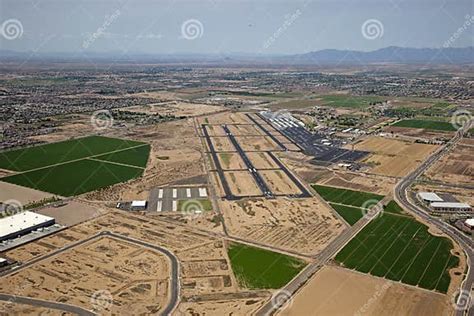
(23, 223)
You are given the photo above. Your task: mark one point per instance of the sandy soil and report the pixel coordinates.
(221, 307)
(177, 108)
(135, 276)
(73, 212)
(263, 143)
(231, 161)
(457, 167)
(136, 279)
(337, 291)
(279, 182)
(21, 194)
(175, 155)
(262, 160)
(242, 183)
(393, 157)
(417, 132)
(245, 130)
(15, 309)
(222, 144)
(369, 183)
(215, 130)
(305, 225)
(225, 118)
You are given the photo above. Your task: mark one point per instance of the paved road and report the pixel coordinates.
(464, 241)
(46, 304)
(256, 175)
(174, 279)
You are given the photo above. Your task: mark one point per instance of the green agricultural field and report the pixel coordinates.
(74, 178)
(76, 166)
(50, 154)
(137, 156)
(257, 268)
(401, 249)
(345, 196)
(426, 124)
(350, 214)
(348, 101)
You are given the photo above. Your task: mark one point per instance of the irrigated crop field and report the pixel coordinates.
(347, 203)
(400, 248)
(345, 196)
(262, 269)
(76, 166)
(426, 124)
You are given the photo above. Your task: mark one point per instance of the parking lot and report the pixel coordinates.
(321, 146)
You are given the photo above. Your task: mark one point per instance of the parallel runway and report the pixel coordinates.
(220, 172)
(256, 175)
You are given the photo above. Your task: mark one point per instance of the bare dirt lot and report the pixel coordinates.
(222, 144)
(393, 157)
(176, 155)
(305, 225)
(262, 160)
(361, 182)
(135, 276)
(225, 118)
(337, 291)
(263, 143)
(231, 161)
(279, 182)
(245, 130)
(21, 194)
(417, 132)
(457, 167)
(73, 212)
(176, 108)
(242, 183)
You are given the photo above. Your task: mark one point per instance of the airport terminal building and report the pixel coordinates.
(22, 223)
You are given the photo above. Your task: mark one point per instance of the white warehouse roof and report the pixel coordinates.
(20, 221)
(430, 196)
(138, 203)
(450, 205)
(470, 222)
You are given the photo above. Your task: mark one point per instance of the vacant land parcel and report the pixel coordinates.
(76, 166)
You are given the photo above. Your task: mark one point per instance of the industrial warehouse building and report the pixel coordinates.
(444, 204)
(22, 224)
(450, 207)
(430, 197)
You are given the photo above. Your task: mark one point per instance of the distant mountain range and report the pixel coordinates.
(392, 54)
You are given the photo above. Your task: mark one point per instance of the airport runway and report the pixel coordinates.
(276, 140)
(220, 172)
(174, 278)
(304, 192)
(256, 175)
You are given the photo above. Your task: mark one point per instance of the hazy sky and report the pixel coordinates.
(222, 26)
